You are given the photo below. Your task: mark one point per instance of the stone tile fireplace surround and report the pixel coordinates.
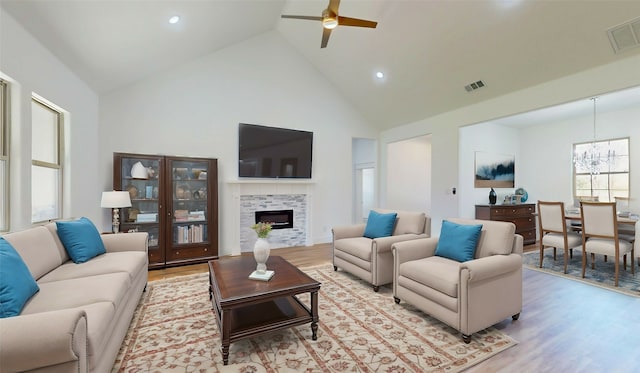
(266, 195)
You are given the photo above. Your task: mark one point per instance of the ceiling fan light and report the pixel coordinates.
(329, 23)
(329, 19)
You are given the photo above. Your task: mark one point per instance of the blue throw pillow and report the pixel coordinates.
(16, 284)
(458, 241)
(380, 225)
(81, 239)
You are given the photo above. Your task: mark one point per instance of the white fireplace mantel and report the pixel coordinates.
(265, 187)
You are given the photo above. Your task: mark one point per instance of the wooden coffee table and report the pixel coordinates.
(245, 308)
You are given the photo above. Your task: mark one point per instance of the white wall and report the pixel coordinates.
(194, 110)
(31, 68)
(489, 138)
(444, 127)
(409, 174)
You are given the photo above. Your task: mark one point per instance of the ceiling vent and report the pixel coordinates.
(473, 86)
(625, 36)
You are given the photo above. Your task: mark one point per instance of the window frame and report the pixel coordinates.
(4, 157)
(609, 191)
(60, 156)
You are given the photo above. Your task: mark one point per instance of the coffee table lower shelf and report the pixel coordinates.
(251, 320)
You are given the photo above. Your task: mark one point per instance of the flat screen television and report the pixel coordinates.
(271, 152)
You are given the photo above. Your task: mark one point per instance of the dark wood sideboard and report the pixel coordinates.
(522, 215)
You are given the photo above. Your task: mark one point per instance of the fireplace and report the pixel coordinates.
(279, 219)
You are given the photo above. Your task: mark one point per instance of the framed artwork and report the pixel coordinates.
(494, 170)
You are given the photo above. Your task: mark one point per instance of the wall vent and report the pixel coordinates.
(473, 86)
(625, 36)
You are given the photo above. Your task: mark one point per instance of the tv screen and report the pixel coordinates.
(271, 152)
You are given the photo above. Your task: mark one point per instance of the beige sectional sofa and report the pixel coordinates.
(77, 320)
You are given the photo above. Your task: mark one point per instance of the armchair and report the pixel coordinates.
(370, 258)
(468, 296)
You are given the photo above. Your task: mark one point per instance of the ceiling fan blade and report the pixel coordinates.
(333, 6)
(311, 18)
(326, 32)
(347, 21)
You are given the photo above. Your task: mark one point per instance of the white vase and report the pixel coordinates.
(261, 251)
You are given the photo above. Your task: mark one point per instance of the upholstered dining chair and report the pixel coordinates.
(575, 225)
(600, 236)
(625, 231)
(553, 231)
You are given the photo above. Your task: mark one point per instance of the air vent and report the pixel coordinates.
(473, 86)
(625, 36)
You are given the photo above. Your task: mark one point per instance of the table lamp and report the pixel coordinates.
(115, 200)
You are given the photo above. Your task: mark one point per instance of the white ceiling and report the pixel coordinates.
(429, 50)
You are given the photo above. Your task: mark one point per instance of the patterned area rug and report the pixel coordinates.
(174, 330)
(602, 275)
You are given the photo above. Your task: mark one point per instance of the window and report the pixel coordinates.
(4, 158)
(612, 178)
(46, 164)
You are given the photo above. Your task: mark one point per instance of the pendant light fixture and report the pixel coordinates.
(596, 157)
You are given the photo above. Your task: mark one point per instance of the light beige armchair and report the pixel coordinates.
(371, 259)
(468, 296)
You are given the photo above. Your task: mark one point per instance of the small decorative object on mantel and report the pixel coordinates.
(261, 251)
(492, 197)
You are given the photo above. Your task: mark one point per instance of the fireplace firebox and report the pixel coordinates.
(279, 219)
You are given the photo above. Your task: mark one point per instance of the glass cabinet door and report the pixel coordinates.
(190, 187)
(141, 176)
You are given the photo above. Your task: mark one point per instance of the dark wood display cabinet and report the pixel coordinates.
(522, 215)
(175, 200)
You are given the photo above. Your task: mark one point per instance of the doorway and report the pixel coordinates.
(364, 178)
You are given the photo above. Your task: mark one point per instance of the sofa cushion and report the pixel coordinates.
(131, 262)
(407, 221)
(79, 292)
(81, 239)
(380, 225)
(16, 283)
(433, 272)
(358, 246)
(37, 248)
(458, 241)
(496, 237)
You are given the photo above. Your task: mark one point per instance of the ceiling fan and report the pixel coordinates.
(330, 20)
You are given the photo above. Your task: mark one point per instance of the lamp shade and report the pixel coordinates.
(115, 199)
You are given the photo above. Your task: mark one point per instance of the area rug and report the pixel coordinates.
(174, 330)
(602, 276)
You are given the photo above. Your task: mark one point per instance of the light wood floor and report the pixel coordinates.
(565, 326)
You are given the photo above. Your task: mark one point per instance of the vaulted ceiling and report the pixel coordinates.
(428, 50)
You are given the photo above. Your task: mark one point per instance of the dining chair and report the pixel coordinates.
(625, 231)
(600, 236)
(576, 226)
(554, 233)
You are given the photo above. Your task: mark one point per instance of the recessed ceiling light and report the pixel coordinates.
(174, 19)
(379, 75)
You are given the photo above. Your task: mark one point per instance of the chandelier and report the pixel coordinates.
(594, 158)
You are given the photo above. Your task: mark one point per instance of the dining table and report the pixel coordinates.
(575, 216)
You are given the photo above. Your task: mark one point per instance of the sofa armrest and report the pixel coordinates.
(348, 231)
(491, 266)
(518, 243)
(383, 244)
(135, 241)
(413, 250)
(44, 339)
